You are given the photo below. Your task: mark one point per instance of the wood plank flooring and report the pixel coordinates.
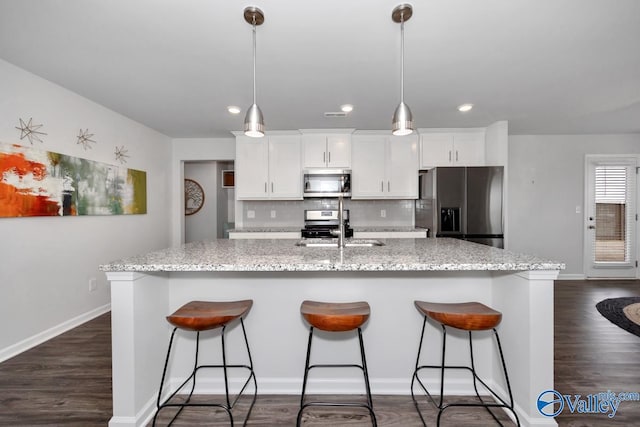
(67, 381)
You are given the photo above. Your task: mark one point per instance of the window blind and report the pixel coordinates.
(613, 228)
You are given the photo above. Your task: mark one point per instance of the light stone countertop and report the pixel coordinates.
(432, 254)
(267, 229)
(358, 228)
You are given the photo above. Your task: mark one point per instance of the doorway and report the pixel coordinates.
(611, 235)
(210, 211)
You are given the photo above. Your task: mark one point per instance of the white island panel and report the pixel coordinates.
(390, 278)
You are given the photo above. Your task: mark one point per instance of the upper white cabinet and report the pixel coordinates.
(452, 147)
(268, 168)
(326, 151)
(384, 167)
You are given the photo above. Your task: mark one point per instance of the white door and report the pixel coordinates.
(368, 166)
(402, 167)
(610, 217)
(252, 168)
(285, 172)
(339, 151)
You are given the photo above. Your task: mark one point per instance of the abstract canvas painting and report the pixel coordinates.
(43, 183)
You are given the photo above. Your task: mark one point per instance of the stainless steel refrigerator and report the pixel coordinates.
(462, 202)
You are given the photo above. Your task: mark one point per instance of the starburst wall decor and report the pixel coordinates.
(121, 154)
(84, 138)
(30, 131)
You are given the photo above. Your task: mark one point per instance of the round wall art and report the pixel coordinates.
(193, 197)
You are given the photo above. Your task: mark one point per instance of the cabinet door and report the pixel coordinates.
(436, 149)
(368, 166)
(339, 151)
(402, 167)
(315, 151)
(285, 171)
(251, 164)
(468, 149)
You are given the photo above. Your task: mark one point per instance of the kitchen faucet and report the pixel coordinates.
(340, 232)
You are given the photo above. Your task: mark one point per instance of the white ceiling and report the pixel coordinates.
(554, 66)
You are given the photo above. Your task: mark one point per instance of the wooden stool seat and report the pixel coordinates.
(468, 316)
(205, 315)
(335, 316)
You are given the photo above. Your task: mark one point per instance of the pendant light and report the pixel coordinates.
(254, 121)
(402, 122)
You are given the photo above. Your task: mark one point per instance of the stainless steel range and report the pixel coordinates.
(322, 223)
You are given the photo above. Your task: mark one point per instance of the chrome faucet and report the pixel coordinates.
(340, 231)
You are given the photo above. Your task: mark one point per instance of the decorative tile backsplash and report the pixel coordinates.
(271, 213)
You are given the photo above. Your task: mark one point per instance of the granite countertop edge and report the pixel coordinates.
(431, 254)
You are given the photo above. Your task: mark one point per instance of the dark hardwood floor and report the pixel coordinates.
(593, 355)
(67, 380)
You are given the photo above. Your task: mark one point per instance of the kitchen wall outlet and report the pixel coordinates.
(578, 209)
(251, 214)
(273, 214)
(383, 213)
(93, 284)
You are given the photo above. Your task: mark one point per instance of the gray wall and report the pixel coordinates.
(46, 263)
(546, 184)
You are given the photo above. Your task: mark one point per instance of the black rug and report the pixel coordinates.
(613, 310)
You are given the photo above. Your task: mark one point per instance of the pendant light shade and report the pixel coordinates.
(254, 120)
(402, 122)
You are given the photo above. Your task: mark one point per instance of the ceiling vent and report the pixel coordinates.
(335, 114)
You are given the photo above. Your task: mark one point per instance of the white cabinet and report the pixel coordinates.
(384, 167)
(326, 151)
(268, 168)
(454, 148)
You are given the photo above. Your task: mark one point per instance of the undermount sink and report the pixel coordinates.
(333, 243)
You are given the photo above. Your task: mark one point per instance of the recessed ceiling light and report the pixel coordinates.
(465, 107)
(347, 108)
(233, 109)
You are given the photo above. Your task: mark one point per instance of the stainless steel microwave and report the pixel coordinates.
(327, 183)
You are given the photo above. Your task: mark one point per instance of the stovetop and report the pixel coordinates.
(324, 231)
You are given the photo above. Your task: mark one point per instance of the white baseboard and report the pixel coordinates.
(24, 345)
(571, 277)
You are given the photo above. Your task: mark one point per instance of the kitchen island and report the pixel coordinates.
(278, 275)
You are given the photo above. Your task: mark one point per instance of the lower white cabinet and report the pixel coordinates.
(384, 167)
(268, 168)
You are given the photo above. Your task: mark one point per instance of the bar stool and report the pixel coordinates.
(336, 317)
(467, 316)
(197, 316)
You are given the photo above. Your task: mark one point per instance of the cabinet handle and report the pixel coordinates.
(449, 156)
(265, 187)
(329, 157)
(272, 187)
(382, 186)
(456, 155)
(324, 157)
(389, 186)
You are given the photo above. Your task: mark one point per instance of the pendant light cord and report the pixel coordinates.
(402, 57)
(254, 59)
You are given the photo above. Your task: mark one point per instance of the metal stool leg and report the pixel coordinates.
(164, 372)
(304, 379)
(251, 375)
(368, 405)
(365, 371)
(440, 405)
(228, 405)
